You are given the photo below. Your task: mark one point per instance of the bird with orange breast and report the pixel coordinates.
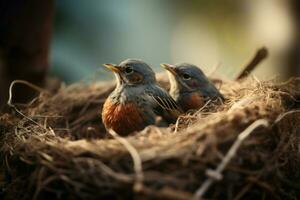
(137, 99)
(189, 86)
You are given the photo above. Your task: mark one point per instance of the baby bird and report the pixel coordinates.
(189, 86)
(137, 99)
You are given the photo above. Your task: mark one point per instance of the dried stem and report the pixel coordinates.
(260, 55)
(217, 174)
(137, 161)
(283, 115)
(10, 104)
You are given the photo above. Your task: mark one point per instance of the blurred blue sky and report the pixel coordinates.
(93, 32)
(207, 33)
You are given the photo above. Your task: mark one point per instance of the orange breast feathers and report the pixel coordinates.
(193, 102)
(122, 118)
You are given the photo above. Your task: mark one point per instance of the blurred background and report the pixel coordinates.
(208, 33)
(70, 40)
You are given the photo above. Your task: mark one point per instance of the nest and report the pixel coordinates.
(56, 147)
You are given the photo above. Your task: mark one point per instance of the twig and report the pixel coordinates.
(166, 193)
(10, 104)
(137, 162)
(177, 124)
(283, 115)
(37, 88)
(260, 55)
(243, 191)
(288, 81)
(196, 113)
(264, 185)
(106, 169)
(215, 175)
(241, 103)
(204, 106)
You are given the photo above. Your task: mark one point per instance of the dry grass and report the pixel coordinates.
(61, 150)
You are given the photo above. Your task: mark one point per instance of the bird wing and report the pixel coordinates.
(164, 104)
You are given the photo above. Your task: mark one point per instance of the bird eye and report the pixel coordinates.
(186, 76)
(128, 70)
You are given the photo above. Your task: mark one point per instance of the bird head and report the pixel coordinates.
(132, 72)
(185, 77)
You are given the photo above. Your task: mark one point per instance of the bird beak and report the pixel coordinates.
(112, 67)
(170, 68)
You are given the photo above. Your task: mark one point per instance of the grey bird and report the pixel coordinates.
(137, 99)
(189, 86)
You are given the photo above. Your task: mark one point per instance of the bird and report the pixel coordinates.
(189, 86)
(137, 99)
